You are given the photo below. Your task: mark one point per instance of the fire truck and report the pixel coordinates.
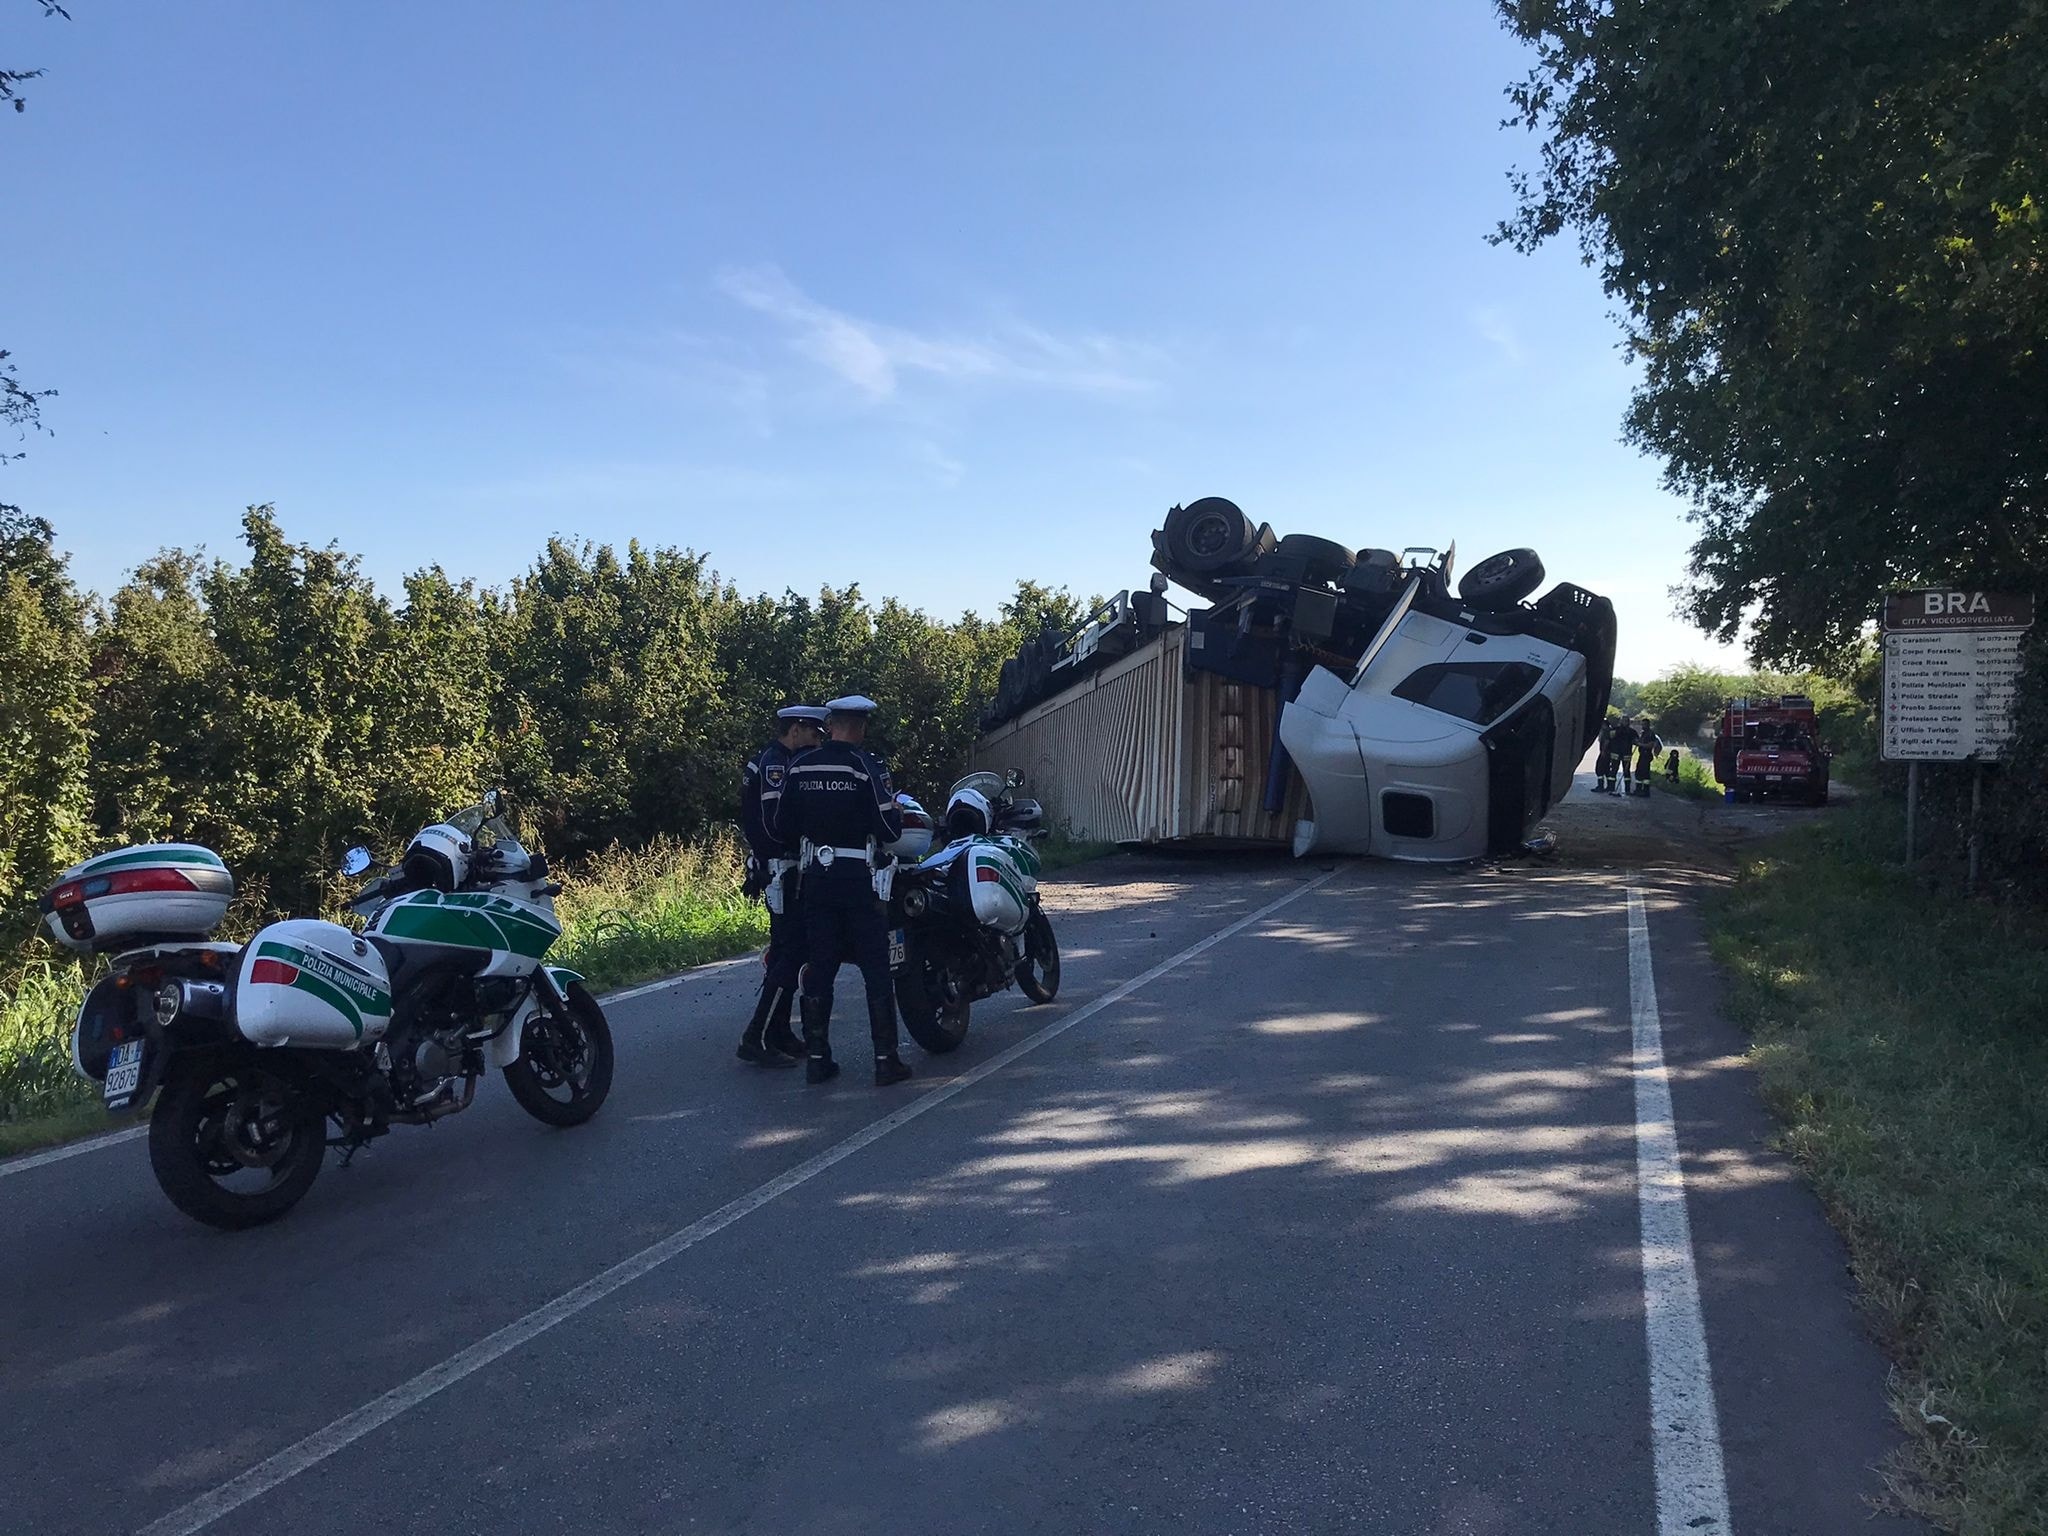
(1770, 748)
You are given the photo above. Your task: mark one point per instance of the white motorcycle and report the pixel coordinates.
(965, 922)
(260, 1048)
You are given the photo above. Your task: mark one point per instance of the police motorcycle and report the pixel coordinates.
(965, 922)
(311, 1035)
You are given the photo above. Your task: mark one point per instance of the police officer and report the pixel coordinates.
(839, 808)
(771, 874)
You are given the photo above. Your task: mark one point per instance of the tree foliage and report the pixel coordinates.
(43, 711)
(1826, 227)
(278, 707)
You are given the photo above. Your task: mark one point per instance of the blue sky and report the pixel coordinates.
(923, 296)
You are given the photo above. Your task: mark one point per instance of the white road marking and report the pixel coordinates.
(1685, 1431)
(345, 1431)
(94, 1144)
(70, 1149)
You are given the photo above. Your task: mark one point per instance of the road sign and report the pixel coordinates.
(1951, 660)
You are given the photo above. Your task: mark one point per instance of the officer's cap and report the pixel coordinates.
(852, 704)
(811, 712)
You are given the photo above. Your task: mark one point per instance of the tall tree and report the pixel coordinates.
(1826, 226)
(44, 712)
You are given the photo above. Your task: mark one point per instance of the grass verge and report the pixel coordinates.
(633, 914)
(1898, 1035)
(1696, 779)
(1058, 853)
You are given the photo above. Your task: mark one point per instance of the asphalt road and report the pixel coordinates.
(1335, 1224)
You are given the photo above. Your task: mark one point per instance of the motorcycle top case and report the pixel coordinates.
(308, 983)
(134, 896)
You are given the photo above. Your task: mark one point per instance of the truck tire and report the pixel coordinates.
(1502, 580)
(1208, 535)
(1322, 559)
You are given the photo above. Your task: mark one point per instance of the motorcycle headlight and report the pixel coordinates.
(168, 998)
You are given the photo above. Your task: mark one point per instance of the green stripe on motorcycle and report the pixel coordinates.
(106, 861)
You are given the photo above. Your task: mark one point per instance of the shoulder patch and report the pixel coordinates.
(774, 774)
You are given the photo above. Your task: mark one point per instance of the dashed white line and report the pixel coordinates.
(345, 1431)
(1685, 1429)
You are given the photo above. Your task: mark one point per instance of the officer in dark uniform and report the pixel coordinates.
(771, 874)
(839, 808)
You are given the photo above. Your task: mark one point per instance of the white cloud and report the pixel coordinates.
(875, 358)
(1493, 327)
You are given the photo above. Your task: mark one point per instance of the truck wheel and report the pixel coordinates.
(1502, 580)
(1208, 535)
(1322, 559)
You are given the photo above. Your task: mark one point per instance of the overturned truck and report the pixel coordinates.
(1329, 699)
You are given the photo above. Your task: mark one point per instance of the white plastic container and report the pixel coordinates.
(136, 896)
(308, 983)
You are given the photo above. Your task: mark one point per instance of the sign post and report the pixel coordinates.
(1951, 665)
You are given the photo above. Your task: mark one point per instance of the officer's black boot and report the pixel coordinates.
(819, 1067)
(889, 1067)
(766, 1053)
(779, 1037)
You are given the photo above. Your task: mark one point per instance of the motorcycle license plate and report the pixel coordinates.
(124, 1070)
(896, 946)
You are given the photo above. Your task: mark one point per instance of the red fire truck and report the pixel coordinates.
(1771, 748)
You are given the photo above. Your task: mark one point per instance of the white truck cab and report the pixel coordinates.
(1441, 732)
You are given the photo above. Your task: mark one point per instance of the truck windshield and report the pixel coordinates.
(1478, 691)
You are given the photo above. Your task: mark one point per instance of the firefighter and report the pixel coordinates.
(1603, 765)
(1648, 745)
(1622, 745)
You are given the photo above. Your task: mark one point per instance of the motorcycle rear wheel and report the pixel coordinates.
(564, 1074)
(1038, 973)
(934, 1021)
(231, 1144)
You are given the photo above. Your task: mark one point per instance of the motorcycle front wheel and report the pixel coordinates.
(1038, 973)
(934, 1010)
(564, 1070)
(232, 1144)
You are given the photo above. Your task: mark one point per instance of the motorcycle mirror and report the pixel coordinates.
(493, 799)
(355, 861)
(1014, 779)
